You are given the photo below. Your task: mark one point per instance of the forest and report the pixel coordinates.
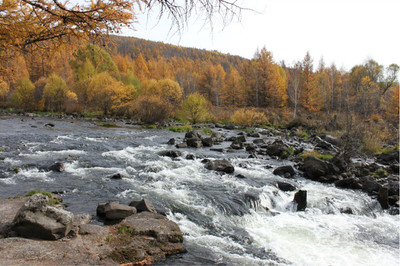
(154, 82)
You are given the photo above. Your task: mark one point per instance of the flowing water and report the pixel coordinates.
(226, 220)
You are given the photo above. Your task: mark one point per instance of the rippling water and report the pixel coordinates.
(226, 220)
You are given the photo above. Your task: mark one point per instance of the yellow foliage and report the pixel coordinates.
(249, 117)
(152, 108)
(166, 89)
(195, 108)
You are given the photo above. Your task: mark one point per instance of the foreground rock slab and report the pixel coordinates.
(141, 239)
(37, 219)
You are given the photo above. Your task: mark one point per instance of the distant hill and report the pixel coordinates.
(132, 47)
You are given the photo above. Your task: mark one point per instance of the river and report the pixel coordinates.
(226, 220)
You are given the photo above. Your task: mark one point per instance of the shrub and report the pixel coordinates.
(249, 117)
(195, 108)
(55, 93)
(152, 109)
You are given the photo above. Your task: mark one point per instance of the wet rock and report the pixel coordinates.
(346, 210)
(259, 142)
(37, 219)
(254, 135)
(49, 125)
(143, 206)
(170, 153)
(116, 211)
(220, 166)
(314, 168)
(279, 149)
(217, 137)
(229, 127)
(285, 171)
(192, 135)
(181, 145)
(217, 149)
(323, 144)
(207, 142)
(249, 147)
(194, 142)
(240, 176)
(171, 141)
(190, 157)
(383, 199)
(100, 211)
(57, 167)
(369, 184)
(286, 186)
(237, 145)
(388, 158)
(301, 199)
(350, 183)
(116, 176)
(393, 188)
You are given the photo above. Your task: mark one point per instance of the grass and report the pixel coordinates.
(53, 201)
(181, 129)
(126, 230)
(207, 131)
(379, 173)
(316, 154)
(250, 130)
(107, 124)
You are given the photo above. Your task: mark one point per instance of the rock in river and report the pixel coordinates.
(220, 166)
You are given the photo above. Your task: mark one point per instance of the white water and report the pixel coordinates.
(225, 219)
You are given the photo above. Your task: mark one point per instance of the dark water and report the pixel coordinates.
(223, 217)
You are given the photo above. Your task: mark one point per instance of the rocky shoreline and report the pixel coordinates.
(34, 232)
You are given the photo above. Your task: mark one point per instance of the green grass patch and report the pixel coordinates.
(33, 192)
(303, 135)
(316, 154)
(250, 130)
(181, 129)
(207, 131)
(379, 173)
(149, 126)
(107, 124)
(126, 230)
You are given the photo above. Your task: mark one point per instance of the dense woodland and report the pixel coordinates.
(115, 79)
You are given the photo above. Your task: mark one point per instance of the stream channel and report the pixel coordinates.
(226, 220)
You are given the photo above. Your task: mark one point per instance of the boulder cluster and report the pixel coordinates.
(136, 233)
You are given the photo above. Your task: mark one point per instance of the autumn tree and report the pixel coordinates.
(391, 105)
(24, 97)
(4, 91)
(311, 97)
(294, 89)
(233, 92)
(99, 59)
(195, 108)
(167, 89)
(140, 68)
(55, 93)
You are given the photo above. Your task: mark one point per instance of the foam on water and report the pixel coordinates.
(52, 154)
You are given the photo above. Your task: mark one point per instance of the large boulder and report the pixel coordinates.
(143, 206)
(37, 219)
(170, 153)
(350, 183)
(220, 166)
(194, 142)
(388, 158)
(316, 169)
(285, 171)
(114, 211)
(279, 149)
(154, 225)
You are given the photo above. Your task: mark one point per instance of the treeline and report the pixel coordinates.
(151, 81)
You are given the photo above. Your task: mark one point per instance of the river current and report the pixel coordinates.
(226, 220)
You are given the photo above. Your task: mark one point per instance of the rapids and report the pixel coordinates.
(226, 220)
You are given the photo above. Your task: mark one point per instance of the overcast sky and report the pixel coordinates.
(346, 32)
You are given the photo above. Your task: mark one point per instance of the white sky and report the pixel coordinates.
(346, 32)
